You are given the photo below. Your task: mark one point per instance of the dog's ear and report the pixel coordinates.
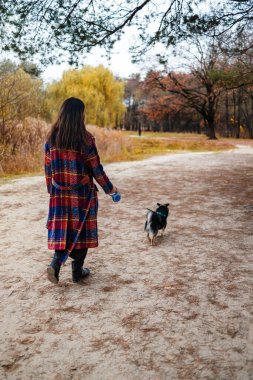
(167, 204)
(158, 204)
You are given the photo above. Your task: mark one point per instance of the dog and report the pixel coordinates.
(156, 220)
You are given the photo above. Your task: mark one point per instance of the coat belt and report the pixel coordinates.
(84, 181)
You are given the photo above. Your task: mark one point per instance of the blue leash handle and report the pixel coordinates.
(116, 197)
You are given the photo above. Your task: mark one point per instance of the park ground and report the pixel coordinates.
(182, 309)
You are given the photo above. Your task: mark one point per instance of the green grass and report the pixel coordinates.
(146, 146)
(165, 134)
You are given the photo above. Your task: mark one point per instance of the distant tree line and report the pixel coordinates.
(214, 93)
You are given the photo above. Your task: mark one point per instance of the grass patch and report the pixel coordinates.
(143, 147)
(7, 177)
(165, 134)
(116, 146)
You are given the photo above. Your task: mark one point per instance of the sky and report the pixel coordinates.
(120, 63)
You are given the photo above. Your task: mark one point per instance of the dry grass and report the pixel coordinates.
(20, 164)
(113, 146)
(149, 146)
(124, 146)
(23, 151)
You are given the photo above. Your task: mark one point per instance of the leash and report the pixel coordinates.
(161, 214)
(158, 213)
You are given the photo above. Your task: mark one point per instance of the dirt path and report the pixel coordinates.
(180, 310)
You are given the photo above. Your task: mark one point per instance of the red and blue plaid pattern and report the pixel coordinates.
(72, 217)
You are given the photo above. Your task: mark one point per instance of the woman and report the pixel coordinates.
(71, 163)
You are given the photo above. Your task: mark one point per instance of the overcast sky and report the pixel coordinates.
(120, 63)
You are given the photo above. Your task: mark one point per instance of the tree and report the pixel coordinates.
(199, 90)
(97, 87)
(51, 27)
(22, 133)
(21, 96)
(237, 79)
(242, 94)
(132, 96)
(31, 68)
(212, 73)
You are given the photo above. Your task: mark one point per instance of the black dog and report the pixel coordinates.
(156, 220)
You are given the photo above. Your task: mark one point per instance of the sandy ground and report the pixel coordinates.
(180, 310)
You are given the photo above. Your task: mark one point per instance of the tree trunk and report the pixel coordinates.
(227, 117)
(239, 108)
(234, 104)
(250, 129)
(211, 129)
(139, 129)
(116, 122)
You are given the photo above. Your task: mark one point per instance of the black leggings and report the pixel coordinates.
(76, 254)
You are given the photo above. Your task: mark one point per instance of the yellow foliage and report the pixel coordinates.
(20, 97)
(97, 88)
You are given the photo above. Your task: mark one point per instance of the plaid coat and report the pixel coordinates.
(73, 204)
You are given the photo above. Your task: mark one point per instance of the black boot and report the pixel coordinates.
(78, 272)
(53, 269)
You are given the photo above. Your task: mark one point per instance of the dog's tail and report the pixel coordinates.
(148, 221)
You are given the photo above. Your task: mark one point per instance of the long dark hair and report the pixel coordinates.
(69, 131)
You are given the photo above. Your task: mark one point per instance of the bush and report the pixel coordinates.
(22, 151)
(112, 145)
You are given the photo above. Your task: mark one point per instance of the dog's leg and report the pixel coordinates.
(148, 237)
(163, 231)
(153, 239)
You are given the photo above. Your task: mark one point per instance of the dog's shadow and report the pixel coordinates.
(160, 240)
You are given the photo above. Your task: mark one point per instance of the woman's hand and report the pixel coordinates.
(114, 190)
